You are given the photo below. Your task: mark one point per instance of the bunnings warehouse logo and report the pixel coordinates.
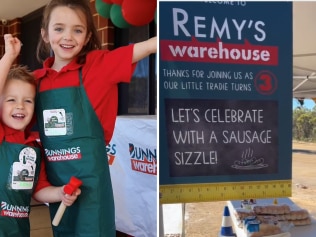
(143, 159)
(111, 151)
(14, 211)
(70, 153)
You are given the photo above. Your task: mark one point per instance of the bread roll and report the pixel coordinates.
(272, 209)
(266, 230)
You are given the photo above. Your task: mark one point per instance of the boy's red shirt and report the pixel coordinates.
(27, 138)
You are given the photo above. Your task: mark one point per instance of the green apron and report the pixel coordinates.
(73, 139)
(19, 168)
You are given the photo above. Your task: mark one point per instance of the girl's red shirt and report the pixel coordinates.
(102, 72)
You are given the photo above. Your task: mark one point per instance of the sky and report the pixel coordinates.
(308, 103)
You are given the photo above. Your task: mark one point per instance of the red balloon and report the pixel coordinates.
(108, 1)
(139, 12)
(118, 2)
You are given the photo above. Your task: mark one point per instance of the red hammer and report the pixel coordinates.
(69, 188)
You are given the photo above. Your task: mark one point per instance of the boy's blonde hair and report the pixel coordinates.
(21, 73)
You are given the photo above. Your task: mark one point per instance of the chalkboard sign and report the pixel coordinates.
(225, 91)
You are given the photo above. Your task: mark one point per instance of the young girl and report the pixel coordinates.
(76, 107)
(20, 156)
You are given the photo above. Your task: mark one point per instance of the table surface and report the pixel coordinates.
(301, 231)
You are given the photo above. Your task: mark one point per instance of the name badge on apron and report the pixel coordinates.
(23, 172)
(55, 122)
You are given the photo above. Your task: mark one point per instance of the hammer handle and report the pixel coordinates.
(59, 214)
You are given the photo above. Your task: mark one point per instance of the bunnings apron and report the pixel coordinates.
(19, 168)
(73, 139)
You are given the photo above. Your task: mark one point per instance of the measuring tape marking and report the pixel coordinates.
(183, 193)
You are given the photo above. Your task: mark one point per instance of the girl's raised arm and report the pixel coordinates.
(144, 49)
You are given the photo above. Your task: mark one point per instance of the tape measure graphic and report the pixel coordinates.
(206, 192)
